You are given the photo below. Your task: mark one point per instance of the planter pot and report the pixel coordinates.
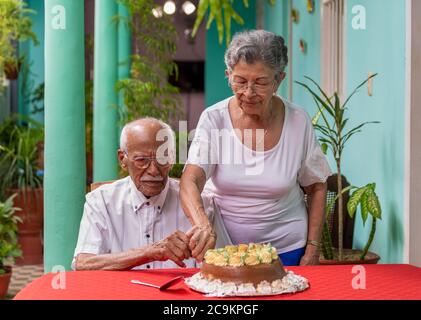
(30, 231)
(352, 257)
(4, 282)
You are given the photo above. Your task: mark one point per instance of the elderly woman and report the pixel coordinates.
(276, 157)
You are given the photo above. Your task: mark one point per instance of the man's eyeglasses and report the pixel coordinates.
(144, 162)
(240, 85)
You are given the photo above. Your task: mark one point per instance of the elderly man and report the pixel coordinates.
(137, 222)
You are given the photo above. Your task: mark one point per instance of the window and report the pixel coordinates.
(191, 76)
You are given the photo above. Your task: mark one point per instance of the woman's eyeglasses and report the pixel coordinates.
(145, 162)
(241, 86)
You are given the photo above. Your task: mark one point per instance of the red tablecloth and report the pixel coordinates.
(326, 282)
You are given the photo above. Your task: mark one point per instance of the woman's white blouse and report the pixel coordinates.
(258, 192)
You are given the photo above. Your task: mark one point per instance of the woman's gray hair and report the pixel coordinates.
(258, 45)
(167, 132)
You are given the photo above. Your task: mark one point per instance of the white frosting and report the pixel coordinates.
(290, 283)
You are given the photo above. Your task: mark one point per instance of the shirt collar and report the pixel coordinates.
(139, 200)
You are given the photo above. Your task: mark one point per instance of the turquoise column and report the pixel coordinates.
(124, 48)
(105, 140)
(65, 172)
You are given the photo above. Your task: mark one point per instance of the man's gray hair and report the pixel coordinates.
(258, 45)
(168, 132)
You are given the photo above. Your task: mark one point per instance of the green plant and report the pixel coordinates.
(19, 154)
(367, 199)
(15, 26)
(222, 12)
(334, 138)
(147, 92)
(9, 248)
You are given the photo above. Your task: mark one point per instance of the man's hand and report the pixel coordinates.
(201, 239)
(175, 248)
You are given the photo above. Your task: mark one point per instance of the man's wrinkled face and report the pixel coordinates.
(147, 166)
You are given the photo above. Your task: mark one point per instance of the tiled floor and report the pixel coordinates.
(22, 276)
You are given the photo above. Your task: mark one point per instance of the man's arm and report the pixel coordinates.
(174, 247)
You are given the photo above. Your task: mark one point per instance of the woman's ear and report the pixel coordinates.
(282, 76)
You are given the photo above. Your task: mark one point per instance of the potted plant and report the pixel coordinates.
(19, 174)
(334, 135)
(9, 248)
(15, 26)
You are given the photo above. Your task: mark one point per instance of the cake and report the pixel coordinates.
(245, 270)
(251, 263)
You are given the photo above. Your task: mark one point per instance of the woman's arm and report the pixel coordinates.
(202, 236)
(316, 199)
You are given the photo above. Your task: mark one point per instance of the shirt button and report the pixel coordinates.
(147, 203)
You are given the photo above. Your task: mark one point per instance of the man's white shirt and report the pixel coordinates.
(117, 218)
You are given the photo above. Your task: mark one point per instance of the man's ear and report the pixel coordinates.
(122, 159)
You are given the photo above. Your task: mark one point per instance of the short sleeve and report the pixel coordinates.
(201, 152)
(91, 232)
(314, 167)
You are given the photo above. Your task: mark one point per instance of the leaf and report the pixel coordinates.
(227, 20)
(324, 148)
(373, 204)
(364, 207)
(354, 200)
(321, 91)
(201, 11)
(357, 88)
(356, 129)
(324, 104)
(217, 12)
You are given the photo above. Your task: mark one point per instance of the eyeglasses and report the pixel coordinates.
(240, 86)
(145, 162)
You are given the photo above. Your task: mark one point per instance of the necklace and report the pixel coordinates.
(261, 139)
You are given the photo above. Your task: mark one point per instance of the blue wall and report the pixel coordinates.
(306, 64)
(216, 84)
(377, 154)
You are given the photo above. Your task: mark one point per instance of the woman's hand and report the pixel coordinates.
(311, 256)
(310, 260)
(201, 239)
